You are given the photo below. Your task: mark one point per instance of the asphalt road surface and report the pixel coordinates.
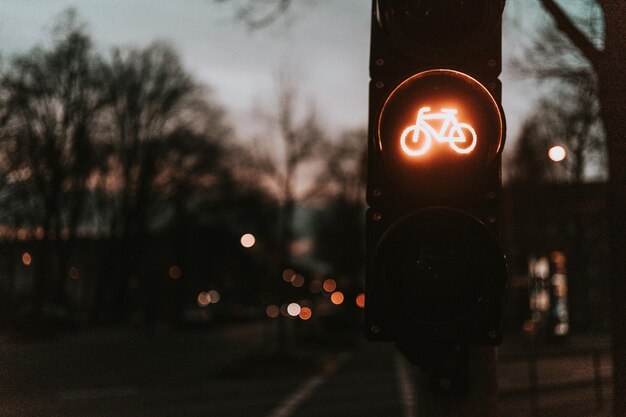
(224, 373)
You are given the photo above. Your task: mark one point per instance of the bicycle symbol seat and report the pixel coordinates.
(417, 139)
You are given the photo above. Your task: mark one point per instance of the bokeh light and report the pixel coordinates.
(557, 153)
(337, 297)
(214, 296)
(293, 309)
(305, 313)
(248, 240)
(203, 299)
(288, 275)
(272, 311)
(26, 258)
(175, 272)
(360, 300)
(298, 281)
(329, 285)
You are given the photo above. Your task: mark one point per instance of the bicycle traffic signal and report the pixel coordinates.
(435, 270)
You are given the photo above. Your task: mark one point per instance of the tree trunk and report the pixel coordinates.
(612, 97)
(613, 102)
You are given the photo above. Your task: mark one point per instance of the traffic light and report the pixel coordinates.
(435, 271)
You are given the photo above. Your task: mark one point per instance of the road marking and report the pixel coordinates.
(289, 404)
(406, 386)
(99, 393)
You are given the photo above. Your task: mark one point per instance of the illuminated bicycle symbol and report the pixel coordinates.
(417, 139)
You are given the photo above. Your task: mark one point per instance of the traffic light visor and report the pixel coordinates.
(432, 30)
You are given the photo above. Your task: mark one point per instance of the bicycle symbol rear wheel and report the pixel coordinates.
(415, 143)
(467, 133)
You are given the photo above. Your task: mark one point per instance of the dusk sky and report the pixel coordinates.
(325, 43)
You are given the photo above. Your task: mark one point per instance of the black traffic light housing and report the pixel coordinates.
(435, 270)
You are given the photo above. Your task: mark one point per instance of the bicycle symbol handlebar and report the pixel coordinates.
(417, 139)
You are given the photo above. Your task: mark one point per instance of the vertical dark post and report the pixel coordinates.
(480, 400)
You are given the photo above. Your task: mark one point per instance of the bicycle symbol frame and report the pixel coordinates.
(451, 132)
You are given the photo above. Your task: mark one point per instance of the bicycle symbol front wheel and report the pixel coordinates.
(467, 134)
(415, 140)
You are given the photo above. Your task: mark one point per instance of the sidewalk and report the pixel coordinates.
(568, 379)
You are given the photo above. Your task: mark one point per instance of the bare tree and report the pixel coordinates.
(190, 170)
(340, 224)
(286, 160)
(151, 95)
(344, 175)
(258, 14)
(287, 157)
(53, 100)
(154, 102)
(607, 60)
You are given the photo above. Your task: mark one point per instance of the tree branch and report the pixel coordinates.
(565, 25)
(251, 18)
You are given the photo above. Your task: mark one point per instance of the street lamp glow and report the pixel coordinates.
(248, 240)
(557, 153)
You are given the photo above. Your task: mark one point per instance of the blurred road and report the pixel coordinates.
(224, 372)
(196, 374)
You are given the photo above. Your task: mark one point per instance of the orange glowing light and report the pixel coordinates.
(436, 115)
(557, 153)
(26, 258)
(417, 139)
(305, 313)
(22, 234)
(203, 299)
(329, 285)
(360, 300)
(337, 297)
(175, 272)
